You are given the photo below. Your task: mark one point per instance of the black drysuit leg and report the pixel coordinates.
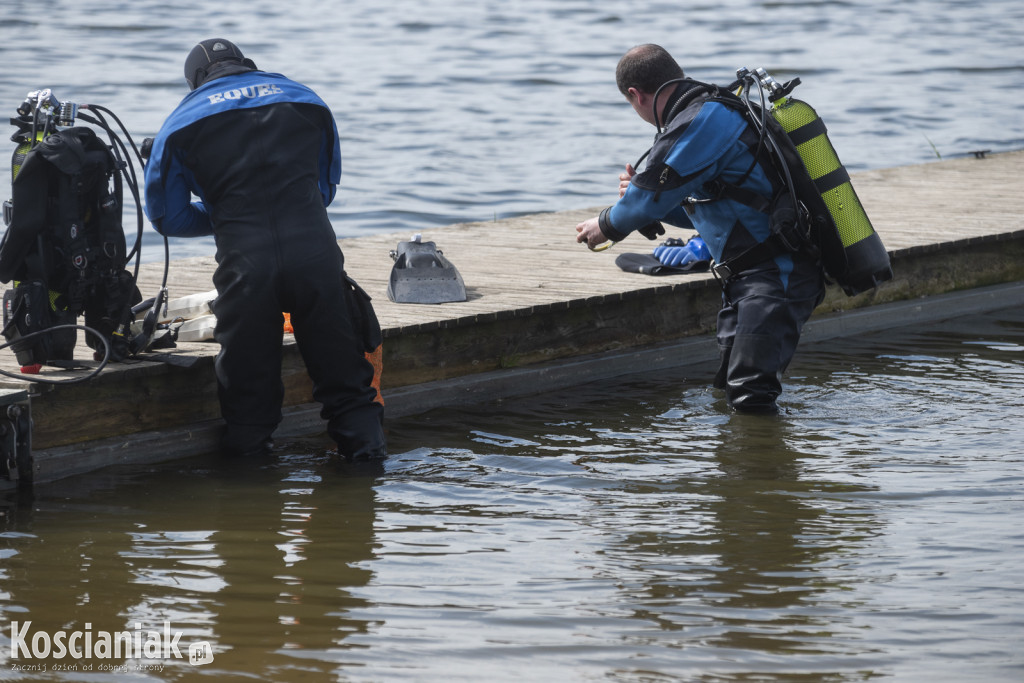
(252, 294)
(326, 330)
(250, 330)
(759, 328)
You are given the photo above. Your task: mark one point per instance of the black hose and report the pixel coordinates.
(99, 109)
(682, 102)
(767, 135)
(76, 380)
(128, 172)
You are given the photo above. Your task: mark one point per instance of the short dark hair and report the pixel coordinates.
(646, 67)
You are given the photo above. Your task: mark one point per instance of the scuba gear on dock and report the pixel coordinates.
(64, 248)
(422, 275)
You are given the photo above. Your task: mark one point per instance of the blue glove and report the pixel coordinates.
(694, 250)
(674, 256)
(699, 248)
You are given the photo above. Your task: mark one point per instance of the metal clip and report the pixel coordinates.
(722, 271)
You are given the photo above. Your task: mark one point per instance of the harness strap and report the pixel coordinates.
(724, 190)
(719, 189)
(774, 246)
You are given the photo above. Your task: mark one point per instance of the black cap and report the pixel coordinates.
(209, 52)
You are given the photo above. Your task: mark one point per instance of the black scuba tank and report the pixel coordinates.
(852, 252)
(64, 249)
(30, 306)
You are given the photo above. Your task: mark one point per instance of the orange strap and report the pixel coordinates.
(376, 358)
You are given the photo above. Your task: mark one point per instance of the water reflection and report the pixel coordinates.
(779, 538)
(260, 562)
(700, 532)
(742, 555)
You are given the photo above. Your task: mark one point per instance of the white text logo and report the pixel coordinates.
(89, 644)
(248, 92)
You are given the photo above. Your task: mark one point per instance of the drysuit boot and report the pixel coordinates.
(360, 434)
(751, 373)
(247, 442)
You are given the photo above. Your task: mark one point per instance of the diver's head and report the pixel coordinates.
(214, 58)
(646, 68)
(641, 75)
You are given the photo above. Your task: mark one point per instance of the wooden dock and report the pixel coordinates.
(542, 311)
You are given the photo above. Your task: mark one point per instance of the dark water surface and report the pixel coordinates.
(469, 110)
(624, 531)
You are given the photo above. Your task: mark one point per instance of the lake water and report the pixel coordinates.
(458, 110)
(621, 531)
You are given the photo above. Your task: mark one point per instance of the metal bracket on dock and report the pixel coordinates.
(15, 439)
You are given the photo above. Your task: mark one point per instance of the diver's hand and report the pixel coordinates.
(625, 178)
(589, 233)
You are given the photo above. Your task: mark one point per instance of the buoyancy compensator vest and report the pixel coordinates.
(817, 205)
(64, 248)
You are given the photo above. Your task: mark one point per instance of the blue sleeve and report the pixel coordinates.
(640, 206)
(694, 157)
(679, 218)
(169, 204)
(191, 220)
(330, 163)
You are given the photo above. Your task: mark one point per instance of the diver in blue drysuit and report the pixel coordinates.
(261, 153)
(765, 303)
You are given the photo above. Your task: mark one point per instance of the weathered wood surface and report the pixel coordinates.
(535, 295)
(534, 260)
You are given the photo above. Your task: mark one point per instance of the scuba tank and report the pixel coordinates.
(30, 306)
(25, 145)
(851, 250)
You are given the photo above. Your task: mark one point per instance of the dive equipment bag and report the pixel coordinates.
(64, 249)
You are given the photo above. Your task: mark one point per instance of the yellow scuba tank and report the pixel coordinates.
(25, 145)
(852, 252)
(20, 152)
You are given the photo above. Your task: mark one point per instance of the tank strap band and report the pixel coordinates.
(808, 131)
(832, 180)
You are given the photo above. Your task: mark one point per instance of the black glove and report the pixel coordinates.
(652, 230)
